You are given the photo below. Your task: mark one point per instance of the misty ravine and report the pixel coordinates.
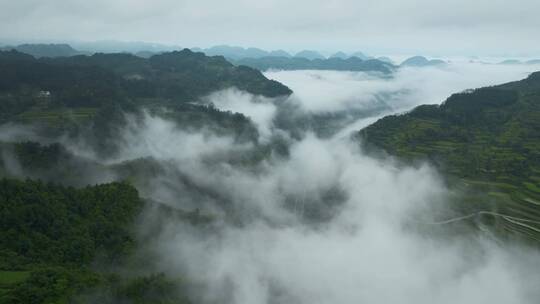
(303, 214)
(269, 152)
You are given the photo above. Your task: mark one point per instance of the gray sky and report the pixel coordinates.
(458, 27)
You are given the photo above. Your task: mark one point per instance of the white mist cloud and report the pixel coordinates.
(327, 91)
(164, 140)
(364, 254)
(376, 264)
(377, 246)
(363, 96)
(15, 132)
(320, 92)
(259, 109)
(331, 91)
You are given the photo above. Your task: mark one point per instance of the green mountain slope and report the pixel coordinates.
(181, 76)
(489, 138)
(78, 93)
(52, 237)
(50, 224)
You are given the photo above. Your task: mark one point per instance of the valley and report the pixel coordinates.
(167, 179)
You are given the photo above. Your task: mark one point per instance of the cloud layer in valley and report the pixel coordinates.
(331, 91)
(377, 245)
(323, 223)
(259, 109)
(328, 224)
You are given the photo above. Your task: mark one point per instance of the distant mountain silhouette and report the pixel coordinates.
(385, 59)
(420, 61)
(510, 61)
(361, 56)
(45, 50)
(237, 52)
(309, 55)
(234, 52)
(340, 55)
(336, 64)
(516, 62)
(279, 53)
(112, 46)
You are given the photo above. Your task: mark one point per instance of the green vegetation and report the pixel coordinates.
(87, 96)
(79, 81)
(50, 224)
(12, 277)
(51, 235)
(489, 138)
(49, 87)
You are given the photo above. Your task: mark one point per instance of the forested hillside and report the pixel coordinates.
(89, 95)
(51, 235)
(488, 137)
(60, 244)
(103, 79)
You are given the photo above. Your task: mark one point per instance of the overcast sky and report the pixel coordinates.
(452, 27)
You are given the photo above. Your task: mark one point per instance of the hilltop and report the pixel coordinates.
(100, 79)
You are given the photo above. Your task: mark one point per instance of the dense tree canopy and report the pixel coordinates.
(106, 78)
(47, 223)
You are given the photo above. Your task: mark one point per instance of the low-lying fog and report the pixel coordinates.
(368, 97)
(325, 224)
(322, 91)
(363, 250)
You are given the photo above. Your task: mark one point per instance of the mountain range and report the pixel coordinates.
(65, 239)
(334, 63)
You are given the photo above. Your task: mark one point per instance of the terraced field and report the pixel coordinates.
(58, 116)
